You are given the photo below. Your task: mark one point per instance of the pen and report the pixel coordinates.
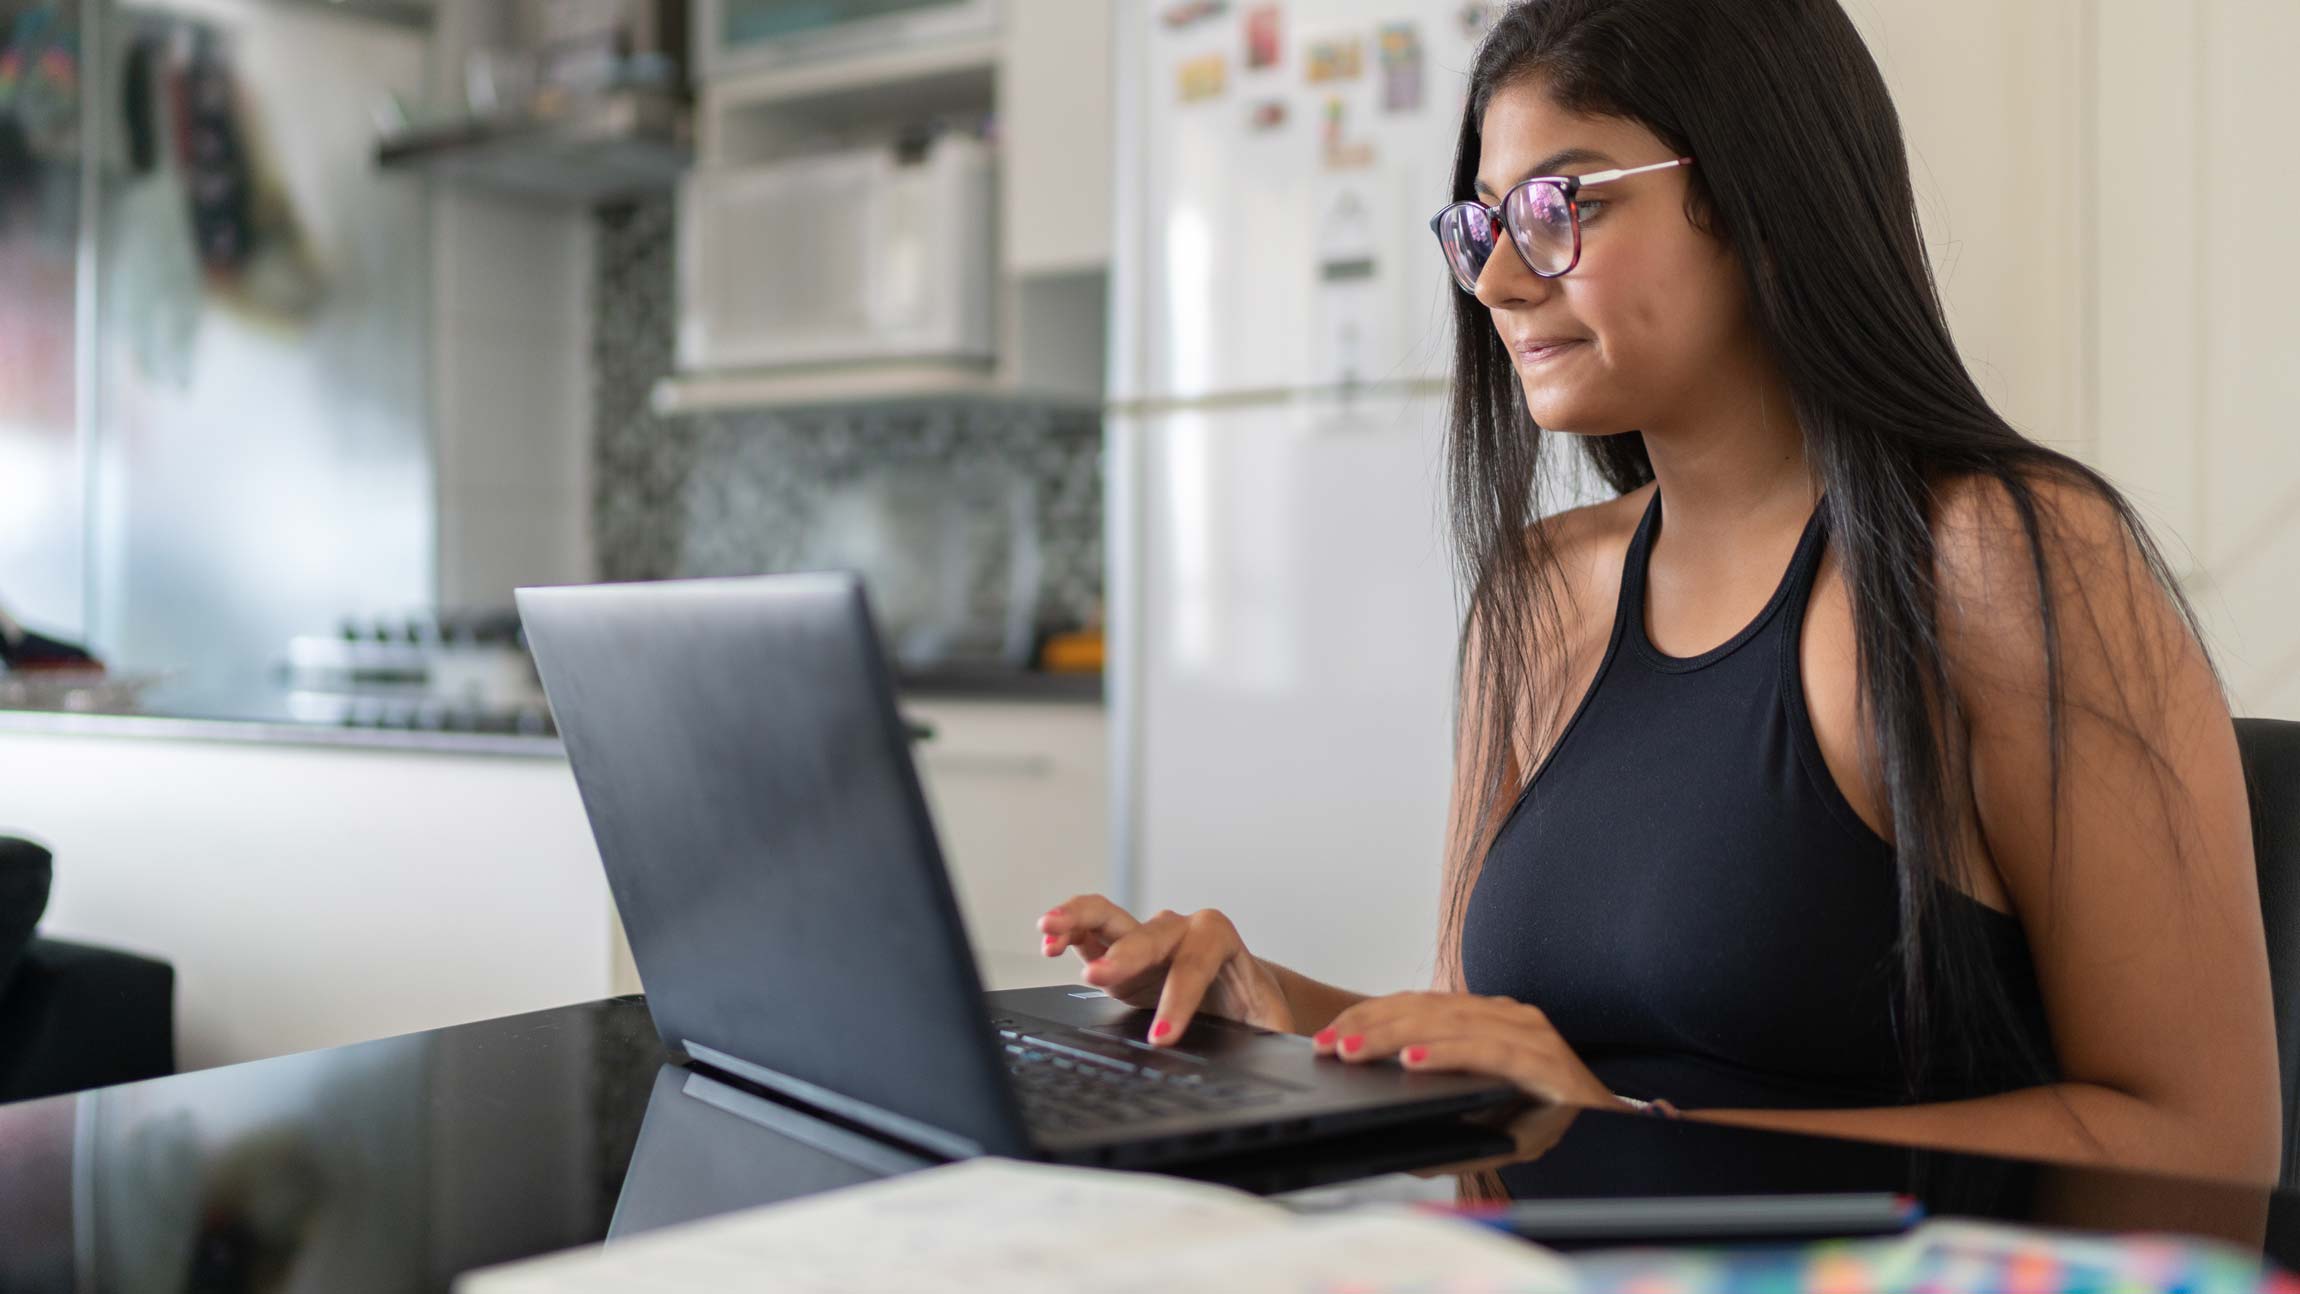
(1693, 1217)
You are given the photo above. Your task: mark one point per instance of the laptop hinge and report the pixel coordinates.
(901, 1127)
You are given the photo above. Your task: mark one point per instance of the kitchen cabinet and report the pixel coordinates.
(316, 894)
(1042, 76)
(313, 895)
(1020, 796)
(1054, 103)
(737, 36)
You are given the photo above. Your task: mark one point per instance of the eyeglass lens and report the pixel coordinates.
(1540, 221)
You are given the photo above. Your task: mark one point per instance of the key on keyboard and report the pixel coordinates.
(1078, 1082)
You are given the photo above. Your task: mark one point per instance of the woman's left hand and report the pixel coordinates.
(1462, 1033)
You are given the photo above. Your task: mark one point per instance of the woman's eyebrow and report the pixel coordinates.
(1549, 165)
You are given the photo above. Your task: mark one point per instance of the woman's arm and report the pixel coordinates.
(2136, 887)
(2048, 1123)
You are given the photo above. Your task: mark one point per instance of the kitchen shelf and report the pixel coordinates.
(845, 384)
(616, 145)
(805, 107)
(888, 72)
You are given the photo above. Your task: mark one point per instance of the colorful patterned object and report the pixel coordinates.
(1943, 1256)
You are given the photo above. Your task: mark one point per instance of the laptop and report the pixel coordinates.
(749, 783)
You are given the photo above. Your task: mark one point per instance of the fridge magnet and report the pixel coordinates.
(1401, 56)
(1338, 58)
(1189, 13)
(1200, 77)
(1268, 114)
(1475, 16)
(1262, 36)
(1339, 151)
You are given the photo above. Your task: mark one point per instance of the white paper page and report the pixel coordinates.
(1000, 1224)
(1031, 1226)
(1362, 1252)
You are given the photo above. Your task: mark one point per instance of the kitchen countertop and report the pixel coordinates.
(999, 685)
(259, 714)
(277, 716)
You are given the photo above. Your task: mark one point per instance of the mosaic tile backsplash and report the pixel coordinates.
(977, 525)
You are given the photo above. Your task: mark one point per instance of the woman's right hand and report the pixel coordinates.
(1179, 965)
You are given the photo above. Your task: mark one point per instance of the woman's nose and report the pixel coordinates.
(1506, 281)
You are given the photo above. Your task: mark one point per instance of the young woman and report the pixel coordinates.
(1858, 768)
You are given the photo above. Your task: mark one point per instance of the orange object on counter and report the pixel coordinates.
(1077, 652)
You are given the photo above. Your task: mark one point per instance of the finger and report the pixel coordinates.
(1142, 951)
(1361, 1018)
(1087, 912)
(1087, 922)
(1135, 990)
(1207, 944)
(1528, 1067)
(1375, 1030)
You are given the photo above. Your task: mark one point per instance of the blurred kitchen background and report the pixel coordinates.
(1104, 337)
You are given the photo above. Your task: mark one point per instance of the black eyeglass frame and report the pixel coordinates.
(1570, 185)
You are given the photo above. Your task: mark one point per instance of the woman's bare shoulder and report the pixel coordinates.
(1590, 544)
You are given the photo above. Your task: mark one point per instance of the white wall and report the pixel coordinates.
(2104, 195)
(2199, 318)
(261, 466)
(511, 370)
(1989, 95)
(511, 313)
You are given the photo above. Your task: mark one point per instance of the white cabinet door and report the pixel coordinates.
(1020, 795)
(1054, 109)
(310, 896)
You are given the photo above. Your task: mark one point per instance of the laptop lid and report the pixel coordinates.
(750, 786)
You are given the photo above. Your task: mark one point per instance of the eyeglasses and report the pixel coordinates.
(1542, 214)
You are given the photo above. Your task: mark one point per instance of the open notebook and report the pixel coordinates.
(1005, 1225)
(1011, 1226)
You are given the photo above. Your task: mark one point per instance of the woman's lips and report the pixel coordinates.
(1536, 354)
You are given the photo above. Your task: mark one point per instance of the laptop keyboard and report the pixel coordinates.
(1069, 1080)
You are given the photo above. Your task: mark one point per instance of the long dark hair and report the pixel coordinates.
(1803, 172)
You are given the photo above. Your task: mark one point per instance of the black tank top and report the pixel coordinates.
(1685, 892)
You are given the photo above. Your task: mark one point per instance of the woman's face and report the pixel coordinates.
(1655, 312)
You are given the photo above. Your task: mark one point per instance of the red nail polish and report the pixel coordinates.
(1416, 1055)
(1353, 1042)
(1054, 939)
(1323, 1037)
(1161, 1029)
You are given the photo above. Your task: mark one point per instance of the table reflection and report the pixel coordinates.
(385, 1166)
(396, 1165)
(1562, 1151)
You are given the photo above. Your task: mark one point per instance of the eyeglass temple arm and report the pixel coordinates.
(1600, 177)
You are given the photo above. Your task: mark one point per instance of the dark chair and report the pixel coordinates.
(2271, 750)
(72, 1016)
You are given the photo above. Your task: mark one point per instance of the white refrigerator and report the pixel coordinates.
(1283, 612)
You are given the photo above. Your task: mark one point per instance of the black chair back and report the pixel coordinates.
(24, 875)
(2271, 750)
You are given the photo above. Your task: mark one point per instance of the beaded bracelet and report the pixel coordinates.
(1656, 1106)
